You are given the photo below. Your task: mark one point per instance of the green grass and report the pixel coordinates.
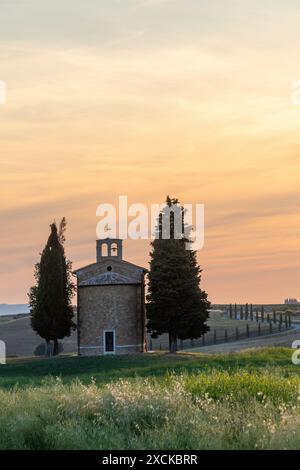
(106, 369)
(247, 400)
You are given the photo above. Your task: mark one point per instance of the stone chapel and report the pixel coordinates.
(110, 303)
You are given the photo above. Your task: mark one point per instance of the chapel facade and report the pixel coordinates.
(110, 303)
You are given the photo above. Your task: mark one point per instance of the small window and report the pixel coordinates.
(109, 341)
(104, 249)
(109, 268)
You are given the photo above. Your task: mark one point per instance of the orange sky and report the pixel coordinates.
(147, 98)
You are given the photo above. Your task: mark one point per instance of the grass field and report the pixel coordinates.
(21, 340)
(218, 322)
(247, 400)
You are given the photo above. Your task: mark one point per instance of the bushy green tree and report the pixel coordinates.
(50, 299)
(176, 304)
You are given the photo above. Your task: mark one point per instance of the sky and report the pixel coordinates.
(146, 98)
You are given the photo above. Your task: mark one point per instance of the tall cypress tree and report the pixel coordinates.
(176, 304)
(50, 299)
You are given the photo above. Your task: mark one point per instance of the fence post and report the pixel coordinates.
(242, 313)
(268, 318)
(215, 337)
(247, 330)
(290, 320)
(247, 312)
(262, 314)
(286, 321)
(258, 330)
(230, 311)
(226, 335)
(256, 315)
(236, 333)
(235, 311)
(274, 316)
(251, 312)
(270, 326)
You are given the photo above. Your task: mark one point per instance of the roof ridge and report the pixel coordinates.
(108, 258)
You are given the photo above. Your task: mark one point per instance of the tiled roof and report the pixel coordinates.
(108, 278)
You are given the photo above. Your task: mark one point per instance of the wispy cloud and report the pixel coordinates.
(147, 98)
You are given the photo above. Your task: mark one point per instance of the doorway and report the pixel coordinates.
(109, 342)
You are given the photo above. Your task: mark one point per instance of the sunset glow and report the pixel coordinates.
(147, 98)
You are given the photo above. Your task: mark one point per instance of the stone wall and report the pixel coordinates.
(110, 307)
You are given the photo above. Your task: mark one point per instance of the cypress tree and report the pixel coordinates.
(176, 304)
(50, 299)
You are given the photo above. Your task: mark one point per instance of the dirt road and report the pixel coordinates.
(284, 339)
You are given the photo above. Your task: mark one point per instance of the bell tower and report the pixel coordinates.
(109, 248)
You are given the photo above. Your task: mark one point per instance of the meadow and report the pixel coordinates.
(246, 400)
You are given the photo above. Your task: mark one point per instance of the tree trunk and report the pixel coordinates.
(55, 347)
(48, 348)
(173, 343)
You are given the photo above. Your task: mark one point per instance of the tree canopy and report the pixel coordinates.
(176, 304)
(51, 297)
